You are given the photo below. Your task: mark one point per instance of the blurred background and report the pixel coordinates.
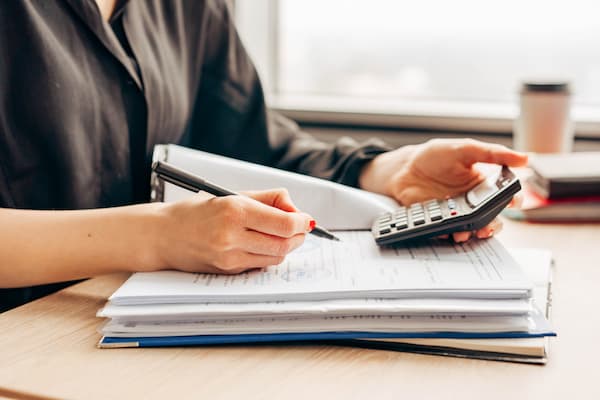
(409, 70)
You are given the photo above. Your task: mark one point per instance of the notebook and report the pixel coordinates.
(566, 175)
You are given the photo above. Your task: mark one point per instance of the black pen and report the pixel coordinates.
(194, 183)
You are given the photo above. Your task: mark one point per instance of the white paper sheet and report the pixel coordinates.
(353, 268)
(537, 265)
(344, 307)
(398, 323)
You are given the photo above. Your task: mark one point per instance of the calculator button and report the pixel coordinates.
(384, 231)
(435, 217)
(401, 226)
(419, 221)
(453, 212)
(385, 219)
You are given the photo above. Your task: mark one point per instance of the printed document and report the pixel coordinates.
(353, 268)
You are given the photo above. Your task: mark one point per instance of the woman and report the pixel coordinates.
(90, 86)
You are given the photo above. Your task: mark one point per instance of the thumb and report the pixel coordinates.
(474, 151)
(278, 198)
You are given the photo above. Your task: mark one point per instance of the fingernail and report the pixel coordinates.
(461, 237)
(312, 224)
(485, 233)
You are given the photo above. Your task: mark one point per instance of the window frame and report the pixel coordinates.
(259, 26)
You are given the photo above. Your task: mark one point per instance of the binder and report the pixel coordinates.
(204, 340)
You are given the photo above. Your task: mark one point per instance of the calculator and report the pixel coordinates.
(467, 212)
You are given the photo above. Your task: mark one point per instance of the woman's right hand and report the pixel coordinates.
(230, 234)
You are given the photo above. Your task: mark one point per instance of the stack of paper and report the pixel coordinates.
(326, 290)
(435, 297)
(538, 266)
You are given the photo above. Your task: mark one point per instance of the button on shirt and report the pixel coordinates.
(84, 101)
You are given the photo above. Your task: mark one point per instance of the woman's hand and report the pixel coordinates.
(231, 234)
(434, 170)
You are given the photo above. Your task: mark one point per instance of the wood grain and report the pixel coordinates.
(48, 349)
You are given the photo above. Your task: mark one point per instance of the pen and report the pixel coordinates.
(194, 183)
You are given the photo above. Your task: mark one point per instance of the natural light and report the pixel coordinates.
(464, 50)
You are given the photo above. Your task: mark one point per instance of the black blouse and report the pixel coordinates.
(83, 102)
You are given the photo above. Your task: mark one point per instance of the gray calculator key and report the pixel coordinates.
(401, 226)
(435, 217)
(384, 231)
(420, 221)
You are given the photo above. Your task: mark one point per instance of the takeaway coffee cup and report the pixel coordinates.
(544, 123)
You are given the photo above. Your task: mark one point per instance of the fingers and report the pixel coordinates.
(488, 231)
(254, 215)
(517, 201)
(475, 151)
(494, 227)
(460, 237)
(278, 198)
(260, 243)
(231, 234)
(236, 262)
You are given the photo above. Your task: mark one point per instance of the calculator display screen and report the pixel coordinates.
(484, 190)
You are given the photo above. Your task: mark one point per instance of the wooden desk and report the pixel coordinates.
(48, 348)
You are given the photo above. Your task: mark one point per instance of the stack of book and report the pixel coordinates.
(562, 187)
(435, 297)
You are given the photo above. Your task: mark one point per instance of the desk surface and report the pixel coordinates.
(48, 348)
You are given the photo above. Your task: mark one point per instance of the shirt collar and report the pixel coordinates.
(89, 13)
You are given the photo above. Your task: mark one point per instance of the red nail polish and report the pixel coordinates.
(312, 224)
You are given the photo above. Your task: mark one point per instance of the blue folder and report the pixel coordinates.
(201, 340)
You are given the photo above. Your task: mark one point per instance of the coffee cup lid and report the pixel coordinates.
(545, 87)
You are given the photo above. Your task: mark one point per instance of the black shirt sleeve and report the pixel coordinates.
(230, 117)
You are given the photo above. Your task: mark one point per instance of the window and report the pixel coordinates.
(455, 62)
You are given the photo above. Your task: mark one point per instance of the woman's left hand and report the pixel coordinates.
(436, 169)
